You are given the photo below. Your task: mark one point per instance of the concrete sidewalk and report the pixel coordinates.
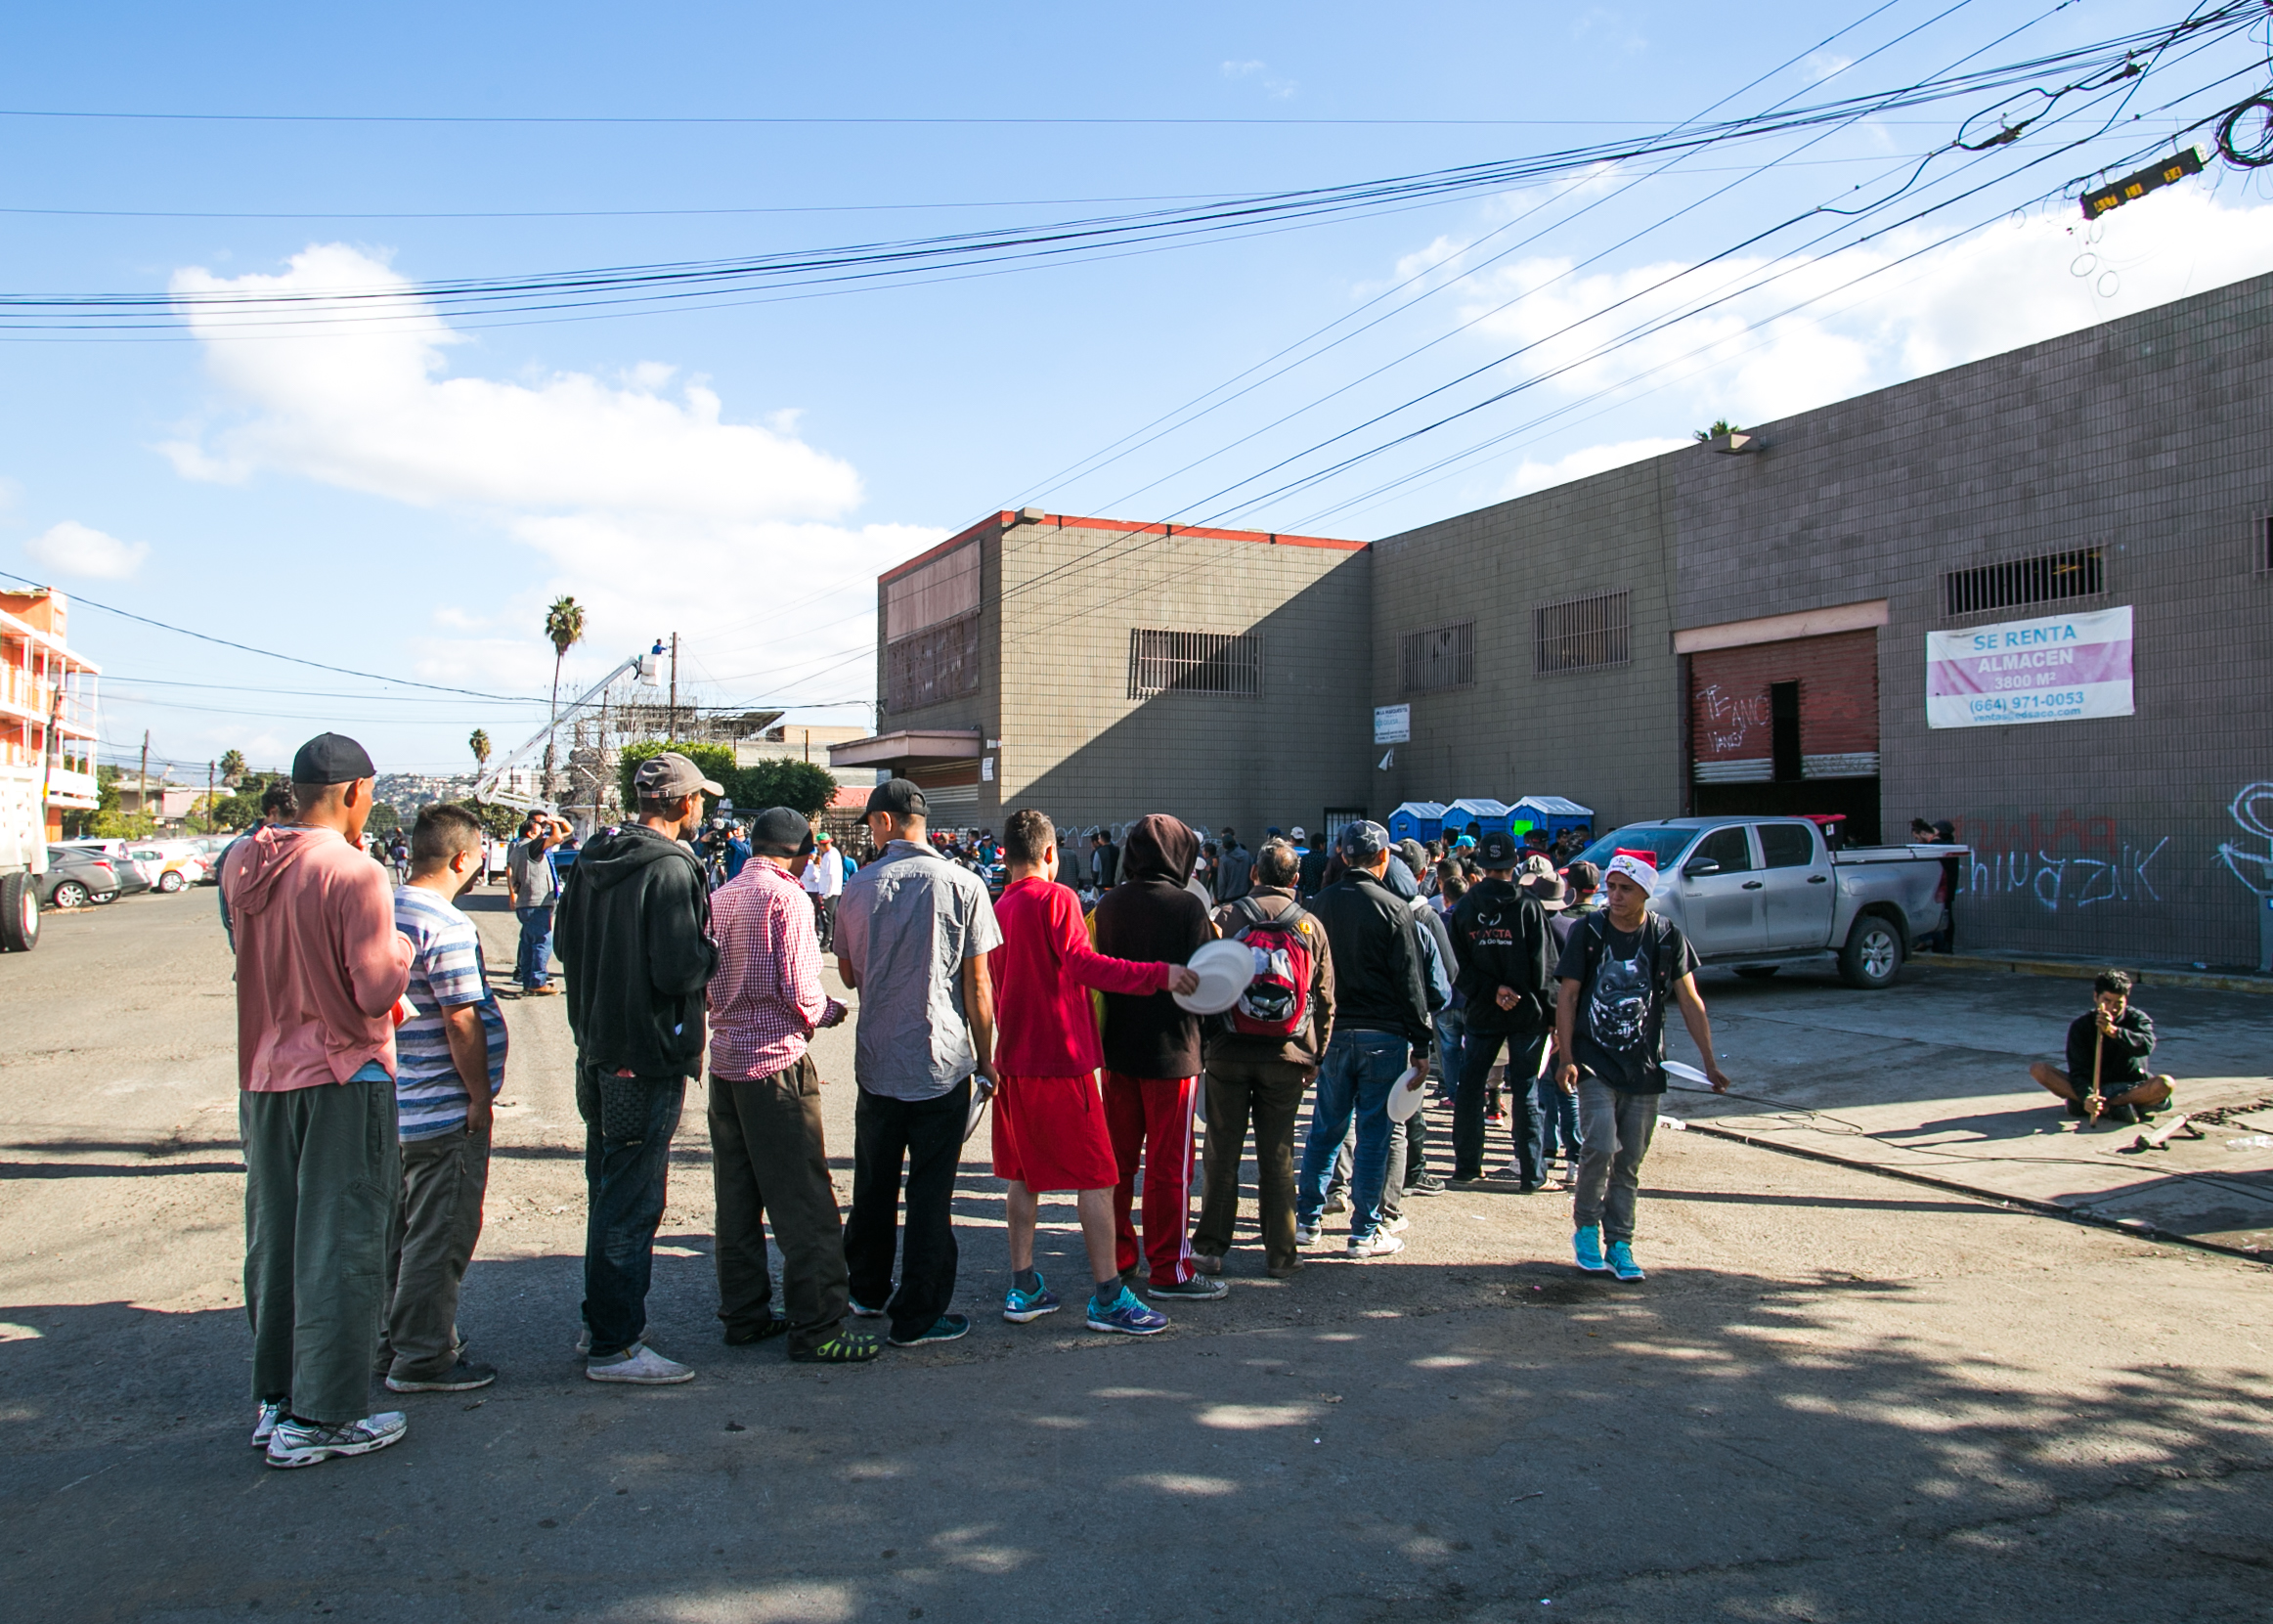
(1931, 1076)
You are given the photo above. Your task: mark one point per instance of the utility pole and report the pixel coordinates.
(144, 806)
(672, 731)
(209, 772)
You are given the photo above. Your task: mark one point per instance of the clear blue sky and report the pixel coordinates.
(405, 503)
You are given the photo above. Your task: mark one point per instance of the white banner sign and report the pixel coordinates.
(2060, 668)
(1392, 723)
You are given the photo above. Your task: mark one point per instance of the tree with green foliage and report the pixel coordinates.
(383, 820)
(774, 781)
(231, 768)
(564, 630)
(1720, 426)
(479, 743)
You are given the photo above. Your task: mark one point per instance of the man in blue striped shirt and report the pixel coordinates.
(450, 1062)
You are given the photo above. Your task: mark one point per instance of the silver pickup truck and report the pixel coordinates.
(1758, 893)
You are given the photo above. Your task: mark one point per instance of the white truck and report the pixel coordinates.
(1754, 894)
(22, 856)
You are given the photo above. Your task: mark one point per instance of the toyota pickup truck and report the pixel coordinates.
(1755, 894)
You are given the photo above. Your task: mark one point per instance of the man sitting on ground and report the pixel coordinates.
(2107, 1059)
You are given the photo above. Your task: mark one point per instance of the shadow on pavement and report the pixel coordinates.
(1446, 1443)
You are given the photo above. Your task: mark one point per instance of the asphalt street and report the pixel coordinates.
(1837, 1398)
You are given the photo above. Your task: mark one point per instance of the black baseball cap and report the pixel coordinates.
(1362, 840)
(1496, 849)
(781, 832)
(899, 796)
(332, 758)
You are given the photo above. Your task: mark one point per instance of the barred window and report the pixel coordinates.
(1581, 633)
(2047, 578)
(944, 590)
(938, 663)
(1192, 662)
(1439, 658)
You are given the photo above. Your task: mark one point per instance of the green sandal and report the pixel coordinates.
(841, 1348)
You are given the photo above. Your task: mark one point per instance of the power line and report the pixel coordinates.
(792, 120)
(650, 284)
(266, 653)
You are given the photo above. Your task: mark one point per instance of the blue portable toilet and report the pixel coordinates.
(1417, 820)
(1551, 812)
(1483, 811)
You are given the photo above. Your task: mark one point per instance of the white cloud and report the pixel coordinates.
(1587, 460)
(637, 492)
(1999, 290)
(74, 548)
(1279, 89)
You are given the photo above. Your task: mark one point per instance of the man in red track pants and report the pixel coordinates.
(1152, 1055)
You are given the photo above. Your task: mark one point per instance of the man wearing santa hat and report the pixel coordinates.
(1617, 971)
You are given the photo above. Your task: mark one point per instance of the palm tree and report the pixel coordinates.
(564, 629)
(479, 744)
(231, 768)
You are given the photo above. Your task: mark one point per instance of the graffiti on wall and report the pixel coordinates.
(2061, 861)
(2252, 810)
(1730, 720)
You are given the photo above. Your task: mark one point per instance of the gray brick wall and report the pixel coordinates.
(2147, 436)
(1608, 737)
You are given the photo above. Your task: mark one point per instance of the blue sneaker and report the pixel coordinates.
(1622, 1263)
(1588, 1244)
(1126, 1315)
(1019, 1307)
(945, 1328)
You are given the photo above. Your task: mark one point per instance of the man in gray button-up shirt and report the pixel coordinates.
(913, 932)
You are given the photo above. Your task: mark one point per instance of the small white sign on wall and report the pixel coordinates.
(1392, 723)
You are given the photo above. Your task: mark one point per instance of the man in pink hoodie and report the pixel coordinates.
(320, 967)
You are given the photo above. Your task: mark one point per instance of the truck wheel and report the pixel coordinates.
(1872, 956)
(18, 914)
(70, 894)
(1758, 972)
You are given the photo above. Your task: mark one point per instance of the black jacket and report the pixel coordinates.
(1378, 975)
(1502, 939)
(1151, 917)
(2122, 1057)
(634, 929)
(1104, 866)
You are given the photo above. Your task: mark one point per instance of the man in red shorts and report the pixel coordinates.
(1049, 1120)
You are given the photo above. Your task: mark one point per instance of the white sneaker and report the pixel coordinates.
(1396, 1225)
(303, 1443)
(264, 1423)
(640, 1365)
(1306, 1235)
(1379, 1244)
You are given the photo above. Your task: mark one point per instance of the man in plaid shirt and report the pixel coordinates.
(767, 1155)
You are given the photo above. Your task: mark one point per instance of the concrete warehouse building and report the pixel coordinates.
(2032, 595)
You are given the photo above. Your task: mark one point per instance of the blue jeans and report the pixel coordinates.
(628, 1124)
(1361, 1068)
(1452, 1036)
(536, 953)
(1558, 1118)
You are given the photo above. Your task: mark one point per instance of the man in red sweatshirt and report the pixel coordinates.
(320, 966)
(1049, 1121)
(1151, 1054)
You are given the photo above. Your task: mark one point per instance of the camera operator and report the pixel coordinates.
(721, 847)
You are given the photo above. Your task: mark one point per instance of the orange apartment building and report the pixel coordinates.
(47, 715)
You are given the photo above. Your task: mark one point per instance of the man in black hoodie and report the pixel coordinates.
(1151, 1053)
(635, 934)
(1506, 985)
(1381, 1017)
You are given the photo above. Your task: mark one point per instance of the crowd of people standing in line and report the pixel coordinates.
(1367, 960)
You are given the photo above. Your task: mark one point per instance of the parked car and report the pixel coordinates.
(129, 875)
(1758, 893)
(167, 870)
(77, 877)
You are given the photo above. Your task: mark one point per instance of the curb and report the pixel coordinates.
(2146, 975)
(2137, 1228)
